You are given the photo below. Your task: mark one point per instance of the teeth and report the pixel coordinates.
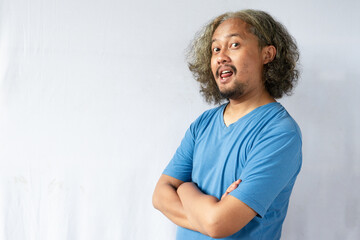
(227, 71)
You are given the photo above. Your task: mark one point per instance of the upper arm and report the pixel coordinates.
(272, 166)
(168, 180)
(178, 170)
(165, 190)
(180, 166)
(167, 201)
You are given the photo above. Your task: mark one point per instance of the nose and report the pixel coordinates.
(223, 58)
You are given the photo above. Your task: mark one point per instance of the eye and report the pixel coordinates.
(216, 49)
(235, 45)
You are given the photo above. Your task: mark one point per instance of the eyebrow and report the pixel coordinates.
(229, 36)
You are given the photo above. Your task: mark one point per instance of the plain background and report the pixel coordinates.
(95, 97)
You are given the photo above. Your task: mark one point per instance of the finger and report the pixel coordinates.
(231, 187)
(229, 190)
(235, 184)
(224, 195)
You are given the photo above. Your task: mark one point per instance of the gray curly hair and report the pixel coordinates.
(279, 76)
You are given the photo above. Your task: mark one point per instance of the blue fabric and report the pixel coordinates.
(263, 149)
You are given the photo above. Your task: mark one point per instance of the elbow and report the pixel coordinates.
(212, 226)
(156, 201)
(216, 227)
(218, 236)
(217, 233)
(214, 231)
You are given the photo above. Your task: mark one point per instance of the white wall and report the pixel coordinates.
(95, 96)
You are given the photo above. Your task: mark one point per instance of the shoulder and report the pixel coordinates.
(277, 120)
(211, 112)
(206, 118)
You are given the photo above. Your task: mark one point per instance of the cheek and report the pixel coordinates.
(247, 64)
(213, 66)
(243, 67)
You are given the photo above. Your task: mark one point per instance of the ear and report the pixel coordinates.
(269, 53)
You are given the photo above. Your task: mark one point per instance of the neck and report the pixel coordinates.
(238, 108)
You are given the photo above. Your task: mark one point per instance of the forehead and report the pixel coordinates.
(231, 27)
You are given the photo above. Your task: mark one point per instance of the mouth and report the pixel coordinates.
(225, 72)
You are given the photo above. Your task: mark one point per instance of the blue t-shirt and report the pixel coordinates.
(263, 149)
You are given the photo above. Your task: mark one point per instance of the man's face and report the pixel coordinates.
(236, 62)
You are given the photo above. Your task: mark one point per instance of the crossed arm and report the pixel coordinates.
(185, 205)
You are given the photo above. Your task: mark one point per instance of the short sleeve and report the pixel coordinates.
(180, 166)
(272, 163)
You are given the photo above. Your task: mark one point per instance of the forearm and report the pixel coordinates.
(217, 219)
(167, 201)
(199, 207)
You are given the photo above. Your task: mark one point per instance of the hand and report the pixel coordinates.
(231, 188)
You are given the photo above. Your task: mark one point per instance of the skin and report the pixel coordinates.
(234, 47)
(231, 188)
(167, 200)
(236, 50)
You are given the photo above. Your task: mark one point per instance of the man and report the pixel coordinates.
(234, 171)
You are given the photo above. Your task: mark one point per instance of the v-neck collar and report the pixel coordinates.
(243, 118)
